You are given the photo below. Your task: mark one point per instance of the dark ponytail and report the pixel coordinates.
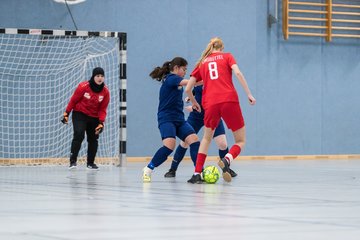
(159, 73)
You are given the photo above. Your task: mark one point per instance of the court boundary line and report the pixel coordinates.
(115, 161)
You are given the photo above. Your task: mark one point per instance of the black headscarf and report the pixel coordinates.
(95, 87)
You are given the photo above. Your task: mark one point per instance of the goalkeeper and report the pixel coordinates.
(88, 103)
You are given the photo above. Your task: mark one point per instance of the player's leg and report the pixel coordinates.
(203, 149)
(235, 121)
(220, 139)
(187, 134)
(201, 156)
(181, 149)
(79, 127)
(178, 157)
(231, 113)
(221, 142)
(239, 138)
(168, 133)
(92, 140)
(211, 120)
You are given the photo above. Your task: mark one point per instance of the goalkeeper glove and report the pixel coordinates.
(99, 128)
(65, 118)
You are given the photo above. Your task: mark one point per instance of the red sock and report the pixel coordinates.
(235, 151)
(200, 160)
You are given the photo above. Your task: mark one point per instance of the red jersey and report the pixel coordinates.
(216, 73)
(89, 102)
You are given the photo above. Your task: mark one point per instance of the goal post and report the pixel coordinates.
(39, 71)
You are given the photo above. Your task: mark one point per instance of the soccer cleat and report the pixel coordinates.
(146, 175)
(170, 174)
(92, 167)
(72, 165)
(196, 178)
(232, 173)
(225, 167)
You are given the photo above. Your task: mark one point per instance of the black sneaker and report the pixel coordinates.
(225, 167)
(196, 178)
(92, 167)
(72, 165)
(170, 174)
(232, 173)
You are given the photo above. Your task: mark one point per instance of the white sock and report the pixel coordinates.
(229, 157)
(147, 170)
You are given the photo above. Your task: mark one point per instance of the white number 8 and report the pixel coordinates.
(213, 70)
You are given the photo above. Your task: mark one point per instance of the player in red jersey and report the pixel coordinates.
(220, 100)
(88, 103)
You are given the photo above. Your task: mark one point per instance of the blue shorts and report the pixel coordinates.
(176, 129)
(198, 123)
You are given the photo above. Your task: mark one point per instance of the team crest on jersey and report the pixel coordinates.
(101, 98)
(87, 95)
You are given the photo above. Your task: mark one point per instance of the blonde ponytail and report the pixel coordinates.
(215, 44)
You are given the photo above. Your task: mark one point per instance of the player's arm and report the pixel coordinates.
(184, 82)
(199, 83)
(189, 87)
(102, 113)
(187, 99)
(243, 83)
(75, 98)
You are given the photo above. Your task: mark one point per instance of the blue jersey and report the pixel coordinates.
(197, 91)
(170, 100)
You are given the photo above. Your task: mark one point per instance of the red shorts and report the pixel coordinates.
(230, 112)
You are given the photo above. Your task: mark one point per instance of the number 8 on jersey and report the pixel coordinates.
(213, 70)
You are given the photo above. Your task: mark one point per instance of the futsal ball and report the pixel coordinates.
(211, 174)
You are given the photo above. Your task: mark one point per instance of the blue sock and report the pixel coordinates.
(194, 149)
(159, 157)
(222, 153)
(178, 157)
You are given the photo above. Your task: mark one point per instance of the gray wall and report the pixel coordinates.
(306, 89)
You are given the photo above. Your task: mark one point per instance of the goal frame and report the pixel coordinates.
(122, 36)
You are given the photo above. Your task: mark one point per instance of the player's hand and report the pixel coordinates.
(99, 128)
(196, 107)
(189, 108)
(199, 83)
(252, 100)
(65, 118)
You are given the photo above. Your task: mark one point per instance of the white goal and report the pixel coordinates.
(39, 71)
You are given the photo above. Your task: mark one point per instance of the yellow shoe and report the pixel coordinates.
(147, 174)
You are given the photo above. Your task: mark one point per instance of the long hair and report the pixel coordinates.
(215, 44)
(159, 73)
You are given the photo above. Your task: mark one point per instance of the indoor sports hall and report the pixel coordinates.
(298, 175)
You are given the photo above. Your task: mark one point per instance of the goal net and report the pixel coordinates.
(39, 71)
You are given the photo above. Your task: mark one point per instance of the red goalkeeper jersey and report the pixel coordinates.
(89, 102)
(216, 73)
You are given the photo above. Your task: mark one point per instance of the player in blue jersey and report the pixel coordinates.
(171, 118)
(196, 120)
